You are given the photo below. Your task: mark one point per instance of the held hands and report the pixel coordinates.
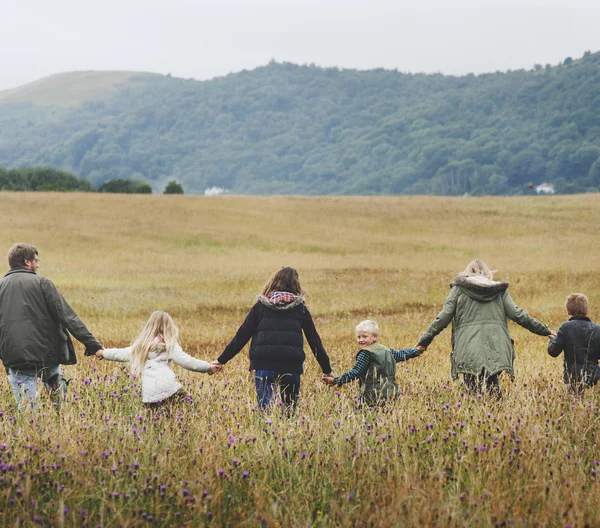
(99, 354)
(215, 367)
(421, 348)
(327, 379)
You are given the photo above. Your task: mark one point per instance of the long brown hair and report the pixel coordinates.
(286, 279)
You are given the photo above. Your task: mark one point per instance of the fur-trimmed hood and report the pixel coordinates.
(156, 349)
(479, 287)
(264, 300)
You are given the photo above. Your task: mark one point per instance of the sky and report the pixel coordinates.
(205, 39)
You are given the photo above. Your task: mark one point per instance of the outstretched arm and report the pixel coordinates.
(522, 318)
(557, 345)
(186, 361)
(442, 320)
(242, 336)
(66, 316)
(115, 354)
(405, 354)
(363, 359)
(314, 341)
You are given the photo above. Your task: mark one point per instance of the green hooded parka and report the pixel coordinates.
(478, 309)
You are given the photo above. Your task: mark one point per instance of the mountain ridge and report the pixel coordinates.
(285, 128)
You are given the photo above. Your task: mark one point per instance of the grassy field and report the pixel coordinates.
(438, 458)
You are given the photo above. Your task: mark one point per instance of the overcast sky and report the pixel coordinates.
(204, 39)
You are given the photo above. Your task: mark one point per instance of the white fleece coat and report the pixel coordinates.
(158, 380)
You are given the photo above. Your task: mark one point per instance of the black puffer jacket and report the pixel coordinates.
(33, 319)
(276, 333)
(580, 340)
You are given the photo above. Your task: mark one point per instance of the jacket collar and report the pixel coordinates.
(580, 318)
(264, 300)
(19, 270)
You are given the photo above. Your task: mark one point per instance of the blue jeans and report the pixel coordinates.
(267, 382)
(24, 385)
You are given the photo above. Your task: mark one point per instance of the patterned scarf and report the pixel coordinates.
(282, 297)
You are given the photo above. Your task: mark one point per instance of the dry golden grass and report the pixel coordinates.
(118, 258)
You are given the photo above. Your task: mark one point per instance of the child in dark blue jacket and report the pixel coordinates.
(580, 340)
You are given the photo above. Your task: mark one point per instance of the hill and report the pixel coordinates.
(284, 128)
(74, 88)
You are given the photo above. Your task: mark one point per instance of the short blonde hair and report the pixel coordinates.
(367, 326)
(478, 267)
(577, 304)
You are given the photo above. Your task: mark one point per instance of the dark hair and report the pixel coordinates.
(19, 253)
(286, 279)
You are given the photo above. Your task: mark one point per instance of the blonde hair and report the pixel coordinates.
(478, 267)
(286, 280)
(160, 325)
(367, 326)
(577, 304)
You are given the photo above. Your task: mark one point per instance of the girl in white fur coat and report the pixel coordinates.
(150, 355)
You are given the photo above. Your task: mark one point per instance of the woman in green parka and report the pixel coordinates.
(478, 308)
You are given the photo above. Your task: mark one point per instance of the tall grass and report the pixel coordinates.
(437, 457)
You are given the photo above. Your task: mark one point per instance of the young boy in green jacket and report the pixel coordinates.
(375, 366)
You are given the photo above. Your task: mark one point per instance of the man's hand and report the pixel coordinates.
(99, 354)
(421, 348)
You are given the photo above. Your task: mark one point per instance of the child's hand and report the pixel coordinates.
(421, 348)
(327, 379)
(215, 368)
(99, 354)
(552, 334)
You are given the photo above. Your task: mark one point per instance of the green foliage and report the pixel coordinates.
(173, 188)
(41, 179)
(285, 128)
(125, 187)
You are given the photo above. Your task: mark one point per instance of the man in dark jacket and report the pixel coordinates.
(580, 340)
(34, 320)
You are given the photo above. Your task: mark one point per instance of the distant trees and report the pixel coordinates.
(173, 188)
(41, 179)
(49, 179)
(125, 187)
(288, 129)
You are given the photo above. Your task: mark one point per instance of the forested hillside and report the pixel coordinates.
(285, 128)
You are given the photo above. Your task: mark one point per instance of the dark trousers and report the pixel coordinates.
(474, 384)
(269, 382)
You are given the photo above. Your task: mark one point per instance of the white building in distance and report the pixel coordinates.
(545, 188)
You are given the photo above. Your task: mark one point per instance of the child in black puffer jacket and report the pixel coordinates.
(276, 324)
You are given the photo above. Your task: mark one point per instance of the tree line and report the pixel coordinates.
(50, 179)
(285, 128)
